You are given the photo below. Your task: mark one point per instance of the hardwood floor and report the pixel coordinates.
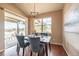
(56, 50)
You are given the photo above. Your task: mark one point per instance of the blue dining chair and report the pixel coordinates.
(21, 43)
(35, 33)
(36, 46)
(44, 34)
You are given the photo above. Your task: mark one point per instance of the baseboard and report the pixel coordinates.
(56, 43)
(66, 50)
(2, 50)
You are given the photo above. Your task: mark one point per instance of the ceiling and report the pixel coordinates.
(40, 7)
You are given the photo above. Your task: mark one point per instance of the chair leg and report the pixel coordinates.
(23, 51)
(31, 53)
(50, 46)
(46, 49)
(18, 49)
(43, 50)
(38, 53)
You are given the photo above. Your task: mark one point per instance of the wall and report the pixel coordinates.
(1, 30)
(71, 31)
(13, 8)
(56, 25)
(30, 25)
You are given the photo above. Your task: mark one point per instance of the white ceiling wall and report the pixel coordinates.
(40, 7)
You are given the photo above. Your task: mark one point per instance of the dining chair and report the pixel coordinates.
(36, 46)
(21, 43)
(44, 34)
(35, 33)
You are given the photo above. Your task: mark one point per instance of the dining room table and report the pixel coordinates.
(43, 39)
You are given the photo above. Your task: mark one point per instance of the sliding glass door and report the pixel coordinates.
(13, 25)
(21, 27)
(10, 31)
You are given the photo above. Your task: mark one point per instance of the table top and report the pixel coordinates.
(42, 38)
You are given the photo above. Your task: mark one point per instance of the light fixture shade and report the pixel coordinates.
(34, 13)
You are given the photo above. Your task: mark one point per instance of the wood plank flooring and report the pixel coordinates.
(56, 50)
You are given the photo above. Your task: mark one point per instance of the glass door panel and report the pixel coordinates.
(10, 31)
(21, 27)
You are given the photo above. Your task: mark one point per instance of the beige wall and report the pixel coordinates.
(71, 38)
(56, 25)
(30, 25)
(1, 30)
(12, 8)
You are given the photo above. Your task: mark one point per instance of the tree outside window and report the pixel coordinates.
(43, 25)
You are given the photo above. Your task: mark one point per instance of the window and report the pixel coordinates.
(43, 25)
(21, 27)
(37, 24)
(14, 25)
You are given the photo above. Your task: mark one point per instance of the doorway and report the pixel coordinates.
(13, 25)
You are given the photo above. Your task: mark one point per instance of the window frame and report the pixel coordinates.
(42, 24)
